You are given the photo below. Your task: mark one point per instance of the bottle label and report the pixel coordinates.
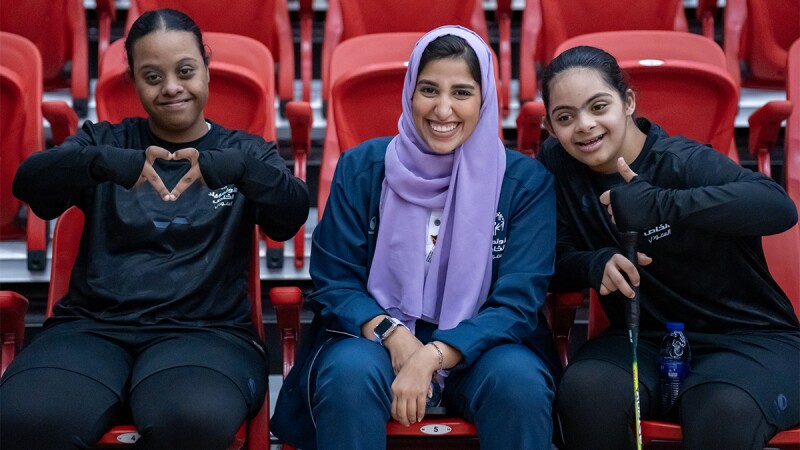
(674, 369)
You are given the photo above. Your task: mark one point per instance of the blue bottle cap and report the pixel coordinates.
(674, 326)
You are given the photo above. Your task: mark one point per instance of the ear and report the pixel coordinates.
(630, 102)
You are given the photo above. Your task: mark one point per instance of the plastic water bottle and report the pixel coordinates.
(674, 363)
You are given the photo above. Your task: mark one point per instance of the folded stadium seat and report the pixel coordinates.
(266, 21)
(681, 83)
(58, 29)
(347, 19)
(765, 124)
(757, 37)
(254, 434)
(239, 97)
(21, 114)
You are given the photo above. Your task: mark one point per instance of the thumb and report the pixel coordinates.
(625, 170)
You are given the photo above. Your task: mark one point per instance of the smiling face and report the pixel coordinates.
(172, 83)
(592, 122)
(446, 104)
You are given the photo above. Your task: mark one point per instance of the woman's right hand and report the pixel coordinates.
(149, 173)
(613, 279)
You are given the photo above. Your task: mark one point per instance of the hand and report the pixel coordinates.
(192, 176)
(149, 172)
(627, 174)
(413, 384)
(613, 280)
(401, 345)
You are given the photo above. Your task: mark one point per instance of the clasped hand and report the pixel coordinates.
(613, 279)
(150, 175)
(414, 365)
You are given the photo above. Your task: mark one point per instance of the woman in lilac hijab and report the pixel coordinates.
(430, 267)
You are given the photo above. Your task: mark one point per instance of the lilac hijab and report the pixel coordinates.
(464, 184)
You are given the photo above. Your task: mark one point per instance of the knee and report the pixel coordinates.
(516, 378)
(582, 386)
(193, 426)
(353, 370)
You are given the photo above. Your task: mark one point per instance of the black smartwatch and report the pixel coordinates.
(386, 327)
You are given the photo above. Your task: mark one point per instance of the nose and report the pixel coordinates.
(444, 107)
(586, 122)
(171, 86)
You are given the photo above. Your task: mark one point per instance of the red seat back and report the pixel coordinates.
(757, 37)
(347, 19)
(266, 21)
(546, 24)
(58, 30)
(680, 81)
(367, 74)
(240, 96)
(20, 121)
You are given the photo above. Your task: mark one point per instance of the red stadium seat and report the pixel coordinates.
(265, 21)
(757, 37)
(449, 432)
(254, 434)
(765, 124)
(548, 23)
(680, 79)
(21, 113)
(347, 19)
(563, 309)
(239, 97)
(58, 29)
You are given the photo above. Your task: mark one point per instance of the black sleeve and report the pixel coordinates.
(259, 172)
(720, 196)
(51, 180)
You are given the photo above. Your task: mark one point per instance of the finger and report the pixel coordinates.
(155, 152)
(421, 407)
(604, 290)
(401, 412)
(605, 198)
(643, 259)
(625, 170)
(411, 410)
(182, 185)
(152, 177)
(185, 153)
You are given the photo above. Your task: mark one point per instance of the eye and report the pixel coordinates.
(563, 118)
(463, 93)
(599, 106)
(186, 72)
(427, 91)
(152, 77)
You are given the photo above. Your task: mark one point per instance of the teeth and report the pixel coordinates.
(591, 141)
(443, 128)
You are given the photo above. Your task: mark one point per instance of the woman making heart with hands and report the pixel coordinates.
(158, 309)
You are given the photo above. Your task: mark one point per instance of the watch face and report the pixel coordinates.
(383, 327)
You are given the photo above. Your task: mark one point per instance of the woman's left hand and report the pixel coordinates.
(413, 385)
(193, 175)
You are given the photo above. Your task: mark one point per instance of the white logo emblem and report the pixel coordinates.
(658, 232)
(498, 245)
(223, 196)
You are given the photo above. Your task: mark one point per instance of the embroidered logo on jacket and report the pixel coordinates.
(499, 242)
(223, 196)
(658, 232)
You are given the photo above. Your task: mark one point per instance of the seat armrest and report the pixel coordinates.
(301, 119)
(765, 126)
(706, 10)
(13, 307)
(287, 301)
(529, 127)
(560, 310)
(306, 14)
(63, 119)
(503, 15)
(106, 14)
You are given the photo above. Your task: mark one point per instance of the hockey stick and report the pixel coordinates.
(629, 239)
